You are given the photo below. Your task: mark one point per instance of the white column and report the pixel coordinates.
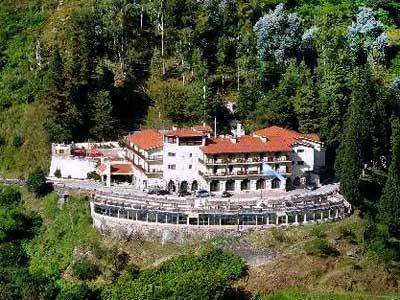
(287, 220)
(322, 216)
(296, 219)
(277, 220)
(305, 218)
(267, 219)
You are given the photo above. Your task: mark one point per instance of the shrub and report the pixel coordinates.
(93, 175)
(36, 182)
(57, 173)
(348, 234)
(16, 141)
(9, 195)
(318, 232)
(319, 247)
(84, 269)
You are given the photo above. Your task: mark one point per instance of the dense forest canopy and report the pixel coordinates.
(78, 70)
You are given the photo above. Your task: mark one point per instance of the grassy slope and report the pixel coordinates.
(348, 274)
(23, 142)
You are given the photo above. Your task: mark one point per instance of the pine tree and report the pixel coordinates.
(355, 149)
(389, 204)
(305, 103)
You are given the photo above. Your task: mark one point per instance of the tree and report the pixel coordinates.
(366, 37)
(355, 148)
(389, 204)
(305, 102)
(278, 34)
(36, 182)
(102, 117)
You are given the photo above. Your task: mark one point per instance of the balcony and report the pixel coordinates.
(154, 172)
(244, 161)
(228, 175)
(155, 158)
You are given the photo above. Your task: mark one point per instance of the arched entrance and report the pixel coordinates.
(171, 186)
(214, 186)
(184, 186)
(276, 183)
(245, 185)
(230, 185)
(260, 184)
(195, 186)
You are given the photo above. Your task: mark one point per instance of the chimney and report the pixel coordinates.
(233, 140)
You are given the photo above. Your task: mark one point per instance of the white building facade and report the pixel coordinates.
(188, 159)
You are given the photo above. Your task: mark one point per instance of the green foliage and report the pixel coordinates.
(84, 269)
(36, 182)
(389, 204)
(9, 196)
(204, 276)
(301, 294)
(94, 176)
(319, 247)
(52, 251)
(57, 173)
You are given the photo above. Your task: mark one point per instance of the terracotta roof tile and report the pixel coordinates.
(146, 139)
(194, 131)
(286, 135)
(244, 144)
(117, 167)
(121, 168)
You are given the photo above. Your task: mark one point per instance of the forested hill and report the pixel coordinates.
(95, 69)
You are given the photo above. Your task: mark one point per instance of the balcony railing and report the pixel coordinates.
(231, 174)
(155, 158)
(254, 160)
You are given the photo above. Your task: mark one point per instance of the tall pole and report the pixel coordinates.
(215, 126)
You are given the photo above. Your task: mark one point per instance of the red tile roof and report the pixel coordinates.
(117, 168)
(121, 168)
(195, 131)
(244, 144)
(278, 139)
(286, 135)
(146, 139)
(203, 128)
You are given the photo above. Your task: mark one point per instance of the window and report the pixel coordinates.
(172, 167)
(190, 166)
(300, 163)
(300, 150)
(190, 155)
(171, 154)
(171, 140)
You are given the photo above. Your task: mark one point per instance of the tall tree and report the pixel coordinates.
(389, 204)
(355, 149)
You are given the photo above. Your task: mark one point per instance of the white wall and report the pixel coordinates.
(185, 156)
(77, 168)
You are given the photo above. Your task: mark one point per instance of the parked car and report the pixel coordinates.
(226, 194)
(162, 192)
(153, 191)
(202, 194)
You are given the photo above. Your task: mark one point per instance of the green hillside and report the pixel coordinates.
(78, 70)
